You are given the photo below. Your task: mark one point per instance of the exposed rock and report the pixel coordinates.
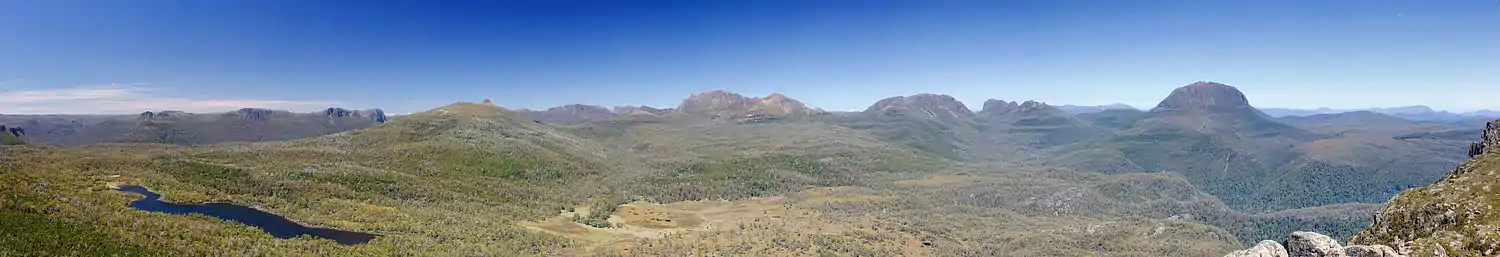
(487, 101)
(150, 116)
(992, 107)
(12, 131)
(1456, 214)
(1312, 244)
(1370, 251)
(1490, 139)
(1265, 248)
(17, 131)
(778, 105)
(1204, 95)
(257, 114)
(338, 112)
(1309, 244)
(377, 114)
(373, 114)
(713, 101)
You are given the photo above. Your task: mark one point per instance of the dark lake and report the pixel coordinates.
(271, 223)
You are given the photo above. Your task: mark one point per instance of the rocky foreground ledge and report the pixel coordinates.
(1313, 244)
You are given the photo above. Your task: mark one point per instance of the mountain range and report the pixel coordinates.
(1202, 173)
(177, 127)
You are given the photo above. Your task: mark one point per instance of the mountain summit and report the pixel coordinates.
(941, 107)
(724, 103)
(1204, 95)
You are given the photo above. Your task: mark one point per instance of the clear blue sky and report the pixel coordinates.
(404, 56)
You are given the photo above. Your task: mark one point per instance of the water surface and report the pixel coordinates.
(273, 224)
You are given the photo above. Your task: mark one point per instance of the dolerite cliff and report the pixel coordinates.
(1459, 215)
(1203, 94)
(1309, 244)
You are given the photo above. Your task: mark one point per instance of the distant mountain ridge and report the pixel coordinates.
(1415, 112)
(1211, 134)
(178, 127)
(1081, 109)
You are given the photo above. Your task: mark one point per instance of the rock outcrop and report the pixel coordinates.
(162, 115)
(1312, 244)
(1309, 244)
(1490, 139)
(1459, 215)
(1265, 248)
(373, 114)
(14, 131)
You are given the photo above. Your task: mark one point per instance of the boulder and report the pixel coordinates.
(1265, 248)
(1313, 245)
(1370, 251)
(1309, 244)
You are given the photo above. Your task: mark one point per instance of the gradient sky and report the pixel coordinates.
(125, 56)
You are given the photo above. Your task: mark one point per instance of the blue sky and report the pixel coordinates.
(123, 56)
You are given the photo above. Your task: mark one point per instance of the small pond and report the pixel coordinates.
(271, 223)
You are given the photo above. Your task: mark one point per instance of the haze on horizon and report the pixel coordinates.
(97, 56)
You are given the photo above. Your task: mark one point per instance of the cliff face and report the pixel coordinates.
(1490, 138)
(1457, 216)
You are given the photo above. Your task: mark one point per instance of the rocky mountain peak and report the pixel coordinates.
(716, 100)
(724, 103)
(581, 108)
(640, 110)
(162, 115)
(256, 114)
(999, 106)
(571, 114)
(778, 105)
(931, 105)
(1034, 106)
(374, 114)
(994, 107)
(1204, 95)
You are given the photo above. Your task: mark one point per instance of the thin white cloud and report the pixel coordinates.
(128, 99)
